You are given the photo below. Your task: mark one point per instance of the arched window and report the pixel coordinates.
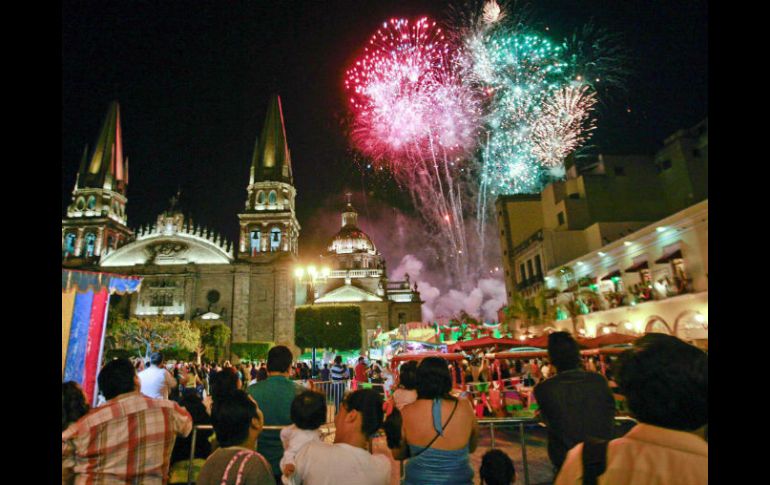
(272, 198)
(275, 237)
(81, 203)
(91, 202)
(256, 242)
(261, 198)
(90, 244)
(69, 243)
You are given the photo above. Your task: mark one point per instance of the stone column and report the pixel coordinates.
(79, 242)
(241, 305)
(98, 243)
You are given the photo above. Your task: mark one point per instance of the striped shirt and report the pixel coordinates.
(339, 372)
(127, 441)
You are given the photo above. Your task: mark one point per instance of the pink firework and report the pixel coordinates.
(405, 96)
(413, 115)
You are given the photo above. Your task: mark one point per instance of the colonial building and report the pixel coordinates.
(356, 274)
(601, 202)
(189, 271)
(652, 280)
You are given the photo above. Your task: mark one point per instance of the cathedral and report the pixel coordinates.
(191, 273)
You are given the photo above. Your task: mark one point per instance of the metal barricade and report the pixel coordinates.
(334, 392)
(521, 423)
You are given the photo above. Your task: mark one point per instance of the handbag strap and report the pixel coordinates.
(594, 459)
(437, 434)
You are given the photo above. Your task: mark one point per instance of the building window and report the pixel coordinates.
(275, 238)
(69, 243)
(529, 268)
(620, 171)
(272, 198)
(560, 218)
(256, 242)
(261, 198)
(162, 298)
(576, 195)
(91, 202)
(523, 273)
(538, 266)
(401, 318)
(90, 244)
(81, 203)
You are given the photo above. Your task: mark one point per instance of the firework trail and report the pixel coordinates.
(413, 115)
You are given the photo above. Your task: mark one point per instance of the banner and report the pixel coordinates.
(85, 303)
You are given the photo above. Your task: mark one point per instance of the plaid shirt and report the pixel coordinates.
(126, 441)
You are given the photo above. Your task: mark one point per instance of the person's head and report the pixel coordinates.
(563, 351)
(279, 359)
(496, 468)
(194, 404)
(326, 366)
(433, 378)
(235, 418)
(360, 360)
(408, 375)
(156, 359)
(665, 381)
(308, 410)
(360, 415)
(224, 382)
(74, 404)
(117, 377)
(338, 360)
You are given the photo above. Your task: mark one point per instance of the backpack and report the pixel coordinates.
(594, 459)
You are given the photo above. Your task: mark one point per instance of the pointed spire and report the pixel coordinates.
(106, 167)
(272, 160)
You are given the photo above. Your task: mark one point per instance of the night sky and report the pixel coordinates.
(193, 80)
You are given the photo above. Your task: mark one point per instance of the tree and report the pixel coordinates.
(213, 337)
(334, 327)
(531, 311)
(152, 334)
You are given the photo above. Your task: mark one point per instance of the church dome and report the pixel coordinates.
(351, 239)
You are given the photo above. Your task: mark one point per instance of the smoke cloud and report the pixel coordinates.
(406, 248)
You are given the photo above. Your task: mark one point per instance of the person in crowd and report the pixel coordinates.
(74, 404)
(325, 373)
(564, 398)
(545, 370)
(237, 423)
(180, 456)
(505, 370)
(439, 431)
(156, 381)
(497, 468)
(192, 380)
(129, 439)
(308, 413)
(360, 371)
(348, 460)
(338, 371)
(665, 381)
(274, 397)
(253, 372)
(262, 372)
(226, 364)
(378, 383)
(407, 385)
(222, 383)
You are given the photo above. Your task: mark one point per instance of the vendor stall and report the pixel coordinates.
(84, 306)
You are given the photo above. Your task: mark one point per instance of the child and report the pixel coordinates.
(308, 413)
(496, 469)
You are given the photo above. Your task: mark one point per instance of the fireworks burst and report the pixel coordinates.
(413, 114)
(563, 124)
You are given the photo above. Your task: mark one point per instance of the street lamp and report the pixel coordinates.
(309, 276)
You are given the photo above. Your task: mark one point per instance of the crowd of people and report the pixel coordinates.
(265, 425)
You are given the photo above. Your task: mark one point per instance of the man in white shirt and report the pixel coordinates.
(347, 461)
(665, 382)
(156, 381)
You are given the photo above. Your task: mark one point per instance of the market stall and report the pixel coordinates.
(84, 306)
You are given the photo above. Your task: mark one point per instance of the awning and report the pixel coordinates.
(614, 274)
(638, 266)
(676, 254)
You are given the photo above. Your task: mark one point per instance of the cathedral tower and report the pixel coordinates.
(96, 218)
(269, 225)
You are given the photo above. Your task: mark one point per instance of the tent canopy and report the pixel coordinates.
(484, 342)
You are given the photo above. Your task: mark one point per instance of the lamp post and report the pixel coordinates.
(309, 276)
